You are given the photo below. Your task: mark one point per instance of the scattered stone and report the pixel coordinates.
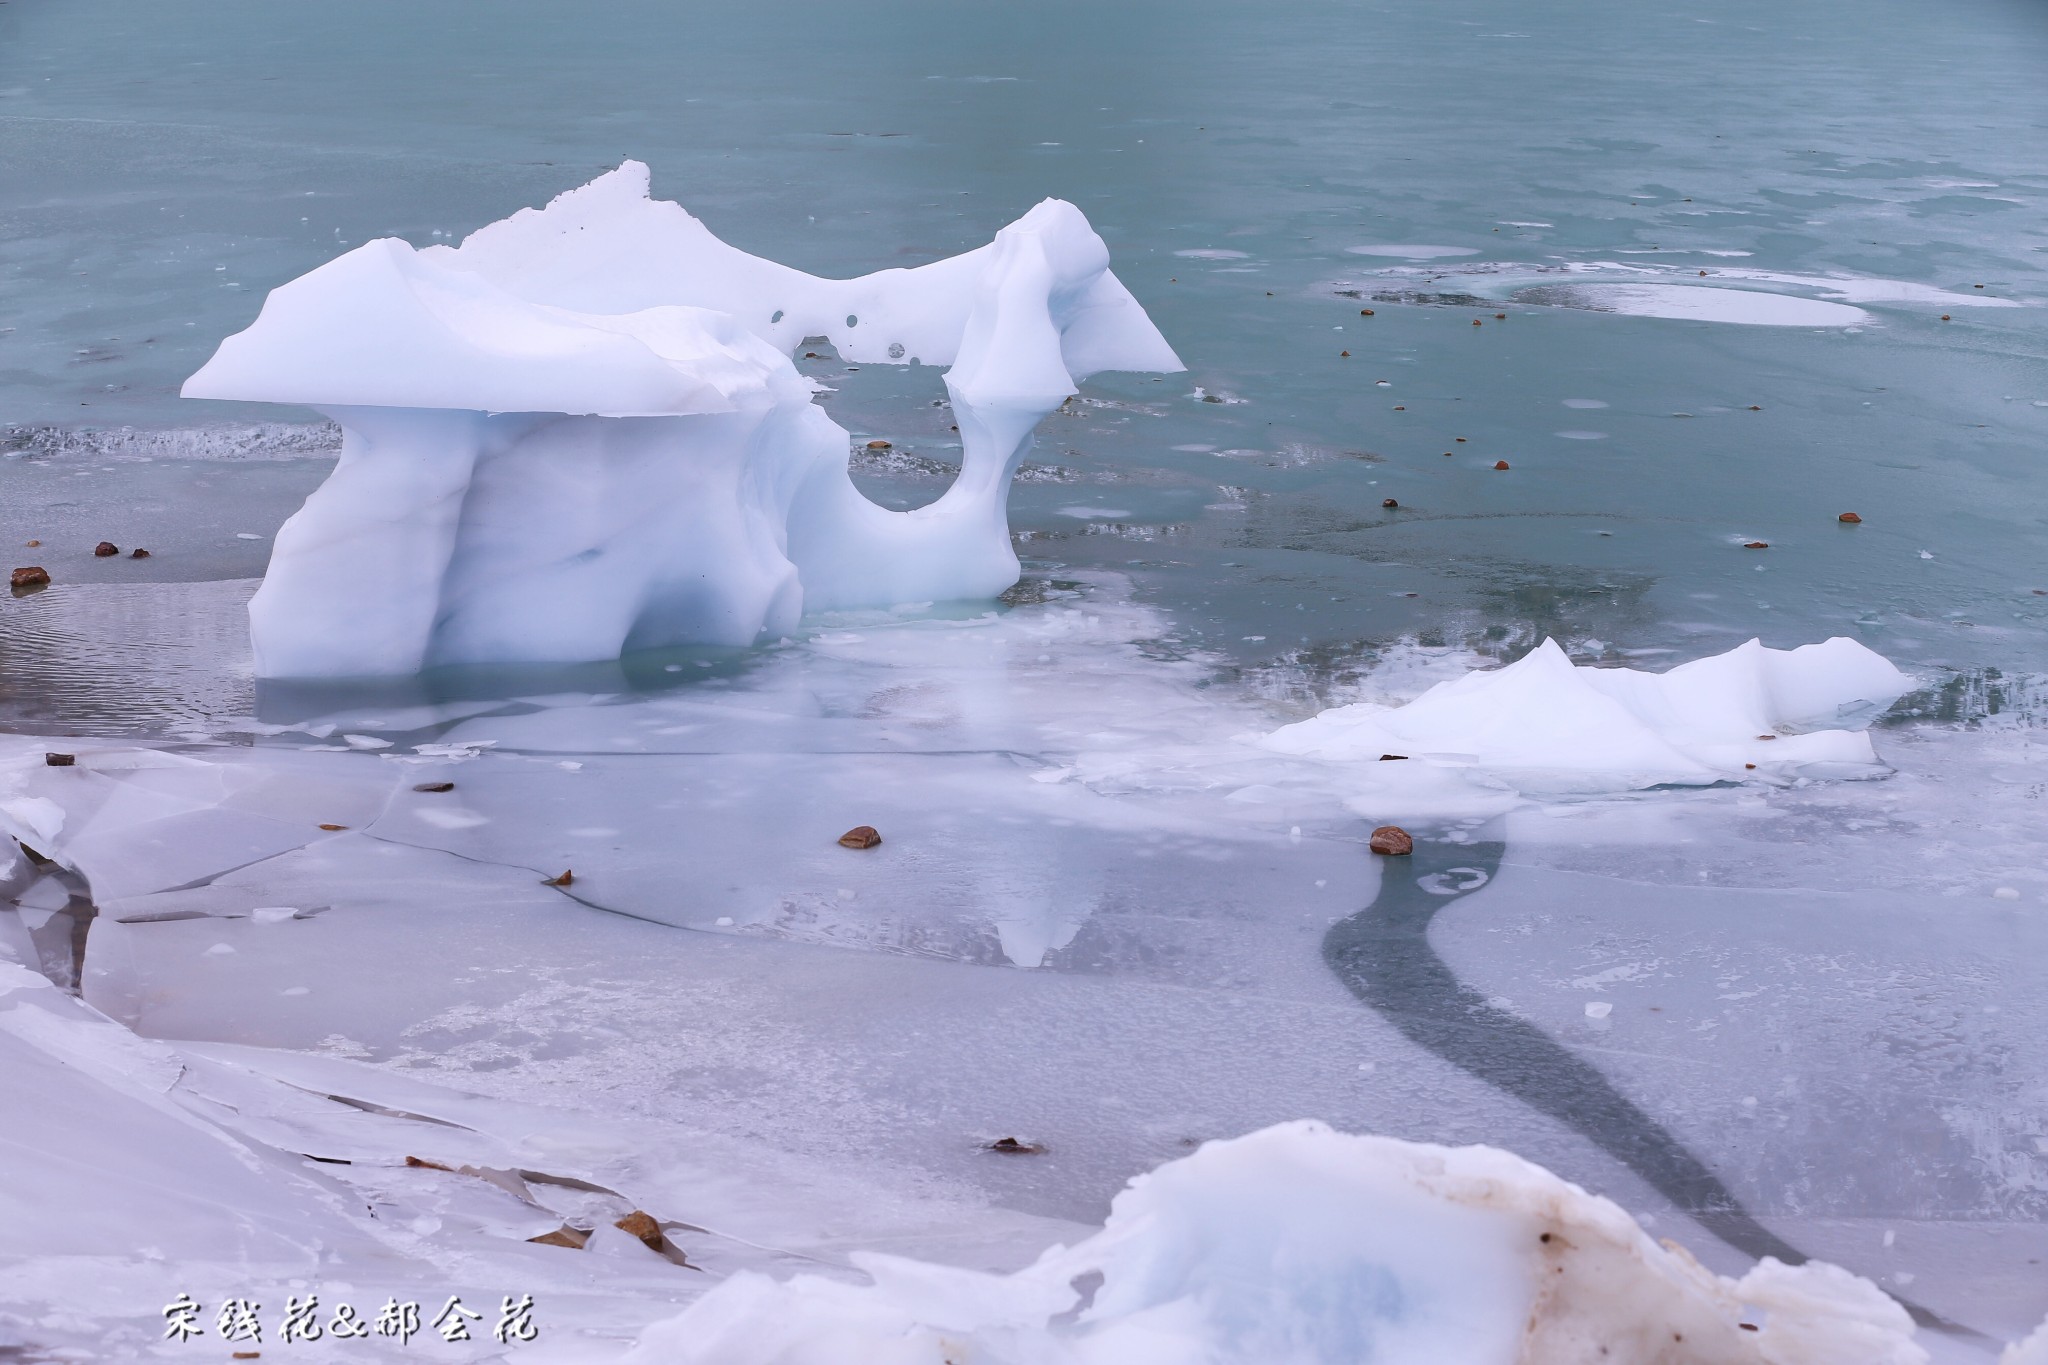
(1754, 408)
(1391, 841)
(1766, 736)
(433, 786)
(1749, 765)
(810, 355)
(1851, 518)
(1459, 439)
(1010, 1146)
(245, 1355)
(106, 549)
(422, 1164)
(1944, 318)
(1393, 758)
(1477, 323)
(332, 828)
(1389, 502)
(33, 576)
(1500, 464)
(860, 836)
(568, 878)
(1344, 353)
(138, 554)
(34, 543)
(59, 760)
(879, 445)
(1756, 545)
(1500, 317)
(564, 1236)
(1703, 272)
(643, 1226)
(1365, 312)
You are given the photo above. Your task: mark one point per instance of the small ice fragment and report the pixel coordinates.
(1322, 881)
(569, 765)
(1598, 1009)
(272, 914)
(296, 990)
(1890, 1236)
(723, 922)
(247, 535)
(220, 950)
(1749, 1101)
(1925, 555)
(365, 742)
(1368, 1067)
(2007, 893)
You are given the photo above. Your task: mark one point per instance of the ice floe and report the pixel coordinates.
(580, 432)
(1545, 724)
(1302, 1244)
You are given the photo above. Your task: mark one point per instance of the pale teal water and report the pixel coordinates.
(162, 166)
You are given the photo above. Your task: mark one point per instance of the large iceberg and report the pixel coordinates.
(580, 432)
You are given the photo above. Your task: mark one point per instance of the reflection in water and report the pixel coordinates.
(1382, 955)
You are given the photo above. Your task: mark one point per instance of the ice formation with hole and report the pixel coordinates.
(1314, 1247)
(1543, 724)
(580, 432)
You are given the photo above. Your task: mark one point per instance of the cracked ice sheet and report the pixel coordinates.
(140, 1170)
(1188, 1002)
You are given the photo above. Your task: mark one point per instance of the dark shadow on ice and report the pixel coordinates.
(1383, 956)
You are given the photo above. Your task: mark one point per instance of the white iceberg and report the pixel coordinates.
(1544, 724)
(580, 432)
(1303, 1245)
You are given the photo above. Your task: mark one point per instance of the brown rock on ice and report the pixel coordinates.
(1392, 841)
(878, 445)
(643, 1226)
(1500, 464)
(34, 576)
(60, 760)
(1851, 518)
(564, 1236)
(138, 554)
(433, 786)
(1756, 545)
(1016, 1147)
(567, 878)
(1389, 502)
(860, 836)
(106, 549)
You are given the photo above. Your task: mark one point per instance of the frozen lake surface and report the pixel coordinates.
(1735, 271)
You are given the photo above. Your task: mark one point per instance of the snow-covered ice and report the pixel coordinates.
(580, 432)
(1543, 724)
(1313, 1247)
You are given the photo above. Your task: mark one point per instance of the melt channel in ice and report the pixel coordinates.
(1545, 725)
(1307, 1246)
(580, 432)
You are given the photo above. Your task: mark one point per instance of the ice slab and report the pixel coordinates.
(580, 432)
(1303, 1244)
(1542, 724)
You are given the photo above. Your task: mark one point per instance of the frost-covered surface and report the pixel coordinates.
(1314, 1247)
(1055, 796)
(580, 432)
(1544, 725)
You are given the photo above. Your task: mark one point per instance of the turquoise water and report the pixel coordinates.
(163, 166)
